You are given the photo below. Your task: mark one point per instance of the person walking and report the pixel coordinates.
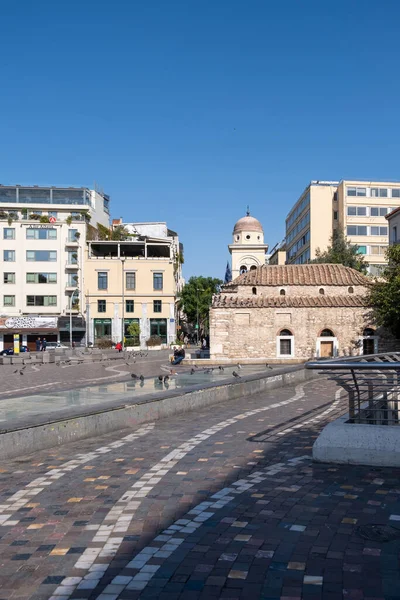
(38, 345)
(44, 344)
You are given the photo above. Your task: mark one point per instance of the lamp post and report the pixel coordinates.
(70, 315)
(122, 259)
(197, 312)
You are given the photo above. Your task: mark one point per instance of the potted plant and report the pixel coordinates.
(77, 235)
(34, 216)
(44, 219)
(24, 212)
(3, 215)
(68, 220)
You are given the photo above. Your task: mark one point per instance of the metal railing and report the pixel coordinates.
(372, 383)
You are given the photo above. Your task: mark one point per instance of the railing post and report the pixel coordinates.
(352, 412)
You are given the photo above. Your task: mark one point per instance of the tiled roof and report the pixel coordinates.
(227, 301)
(315, 274)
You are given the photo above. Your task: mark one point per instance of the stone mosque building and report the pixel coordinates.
(287, 313)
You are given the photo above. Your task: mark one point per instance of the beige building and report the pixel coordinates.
(393, 219)
(359, 207)
(292, 313)
(277, 255)
(247, 249)
(131, 281)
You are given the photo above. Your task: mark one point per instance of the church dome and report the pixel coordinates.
(248, 223)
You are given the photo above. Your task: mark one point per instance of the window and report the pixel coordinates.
(327, 333)
(378, 250)
(322, 291)
(159, 327)
(335, 215)
(9, 255)
(102, 328)
(102, 280)
(350, 290)
(362, 250)
(379, 230)
(357, 211)
(285, 343)
(9, 300)
(368, 331)
(243, 269)
(379, 192)
(41, 300)
(52, 213)
(101, 306)
(247, 237)
(72, 280)
(130, 306)
(41, 278)
(378, 211)
(396, 193)
(130, 281)
(394, 234)
(9, 277)
(357, 230)
(253, 268)
(38, 233)
(131, 341)
(282, 292)
(254, 290)
(157, 306)
(157, 281)
(9, 233)
(72, 258)
(356, 191)
(41, 255)
(72, 235)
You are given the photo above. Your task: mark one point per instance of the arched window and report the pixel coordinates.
(243, 269)
(368, 331)
(282, 293)
(327, 333)
(253, 268)
(237, 237)
(350, 290)
(247, 237)
(254, 290)
(285, 344)
(321, 291)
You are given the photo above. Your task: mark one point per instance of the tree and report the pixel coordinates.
(195, 299)
(384, 296)
(120, 233)
(343, 252)
(133, 331)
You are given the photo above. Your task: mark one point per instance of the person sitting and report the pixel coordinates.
(118, 346)
(179, 355)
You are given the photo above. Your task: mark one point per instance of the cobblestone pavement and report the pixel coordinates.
(47, 377)
(223, 502)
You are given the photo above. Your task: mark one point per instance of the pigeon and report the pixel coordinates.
(239, 366)
(192, 371)
(21, 372)
(166, 378)
(134, 376)
(220, 368)
(268, 366)
(235, 374)
(160, 378)
(141, 377)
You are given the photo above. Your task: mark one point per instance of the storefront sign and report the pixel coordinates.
(28, 323)
(16, 343)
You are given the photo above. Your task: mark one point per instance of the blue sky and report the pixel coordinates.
(188, 111)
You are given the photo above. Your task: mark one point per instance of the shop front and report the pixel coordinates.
(78, 330)
(28, 329)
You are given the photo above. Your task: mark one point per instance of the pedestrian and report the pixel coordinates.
(186, 340)
(118, 346)
(44, 344)
(38, 345)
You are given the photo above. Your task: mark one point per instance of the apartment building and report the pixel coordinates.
(43, 234)
(393, 219)
(358, 207)
(131, 281)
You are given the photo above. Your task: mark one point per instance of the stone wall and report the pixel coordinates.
(252, 332)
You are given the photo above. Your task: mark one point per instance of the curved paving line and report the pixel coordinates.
(118, 519)
(24, 496)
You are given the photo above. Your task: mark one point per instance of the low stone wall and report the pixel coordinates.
(357, 444)
(60, 429)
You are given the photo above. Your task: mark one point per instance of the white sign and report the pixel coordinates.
(29, 323)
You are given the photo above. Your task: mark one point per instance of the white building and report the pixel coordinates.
(43, 232)
(248, 249)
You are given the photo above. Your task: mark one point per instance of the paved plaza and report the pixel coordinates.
(222, 502)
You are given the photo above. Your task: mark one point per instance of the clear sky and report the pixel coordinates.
(187, 111)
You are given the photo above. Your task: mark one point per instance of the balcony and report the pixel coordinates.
(72, 265)
(71, 286)
(74, 242)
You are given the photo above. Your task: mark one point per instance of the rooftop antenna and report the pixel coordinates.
(248, 211)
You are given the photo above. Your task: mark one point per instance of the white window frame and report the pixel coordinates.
(368, 337)
(278, 346)
(327, 338)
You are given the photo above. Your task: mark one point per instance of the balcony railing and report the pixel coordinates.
(71, 265)
(372, 383)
